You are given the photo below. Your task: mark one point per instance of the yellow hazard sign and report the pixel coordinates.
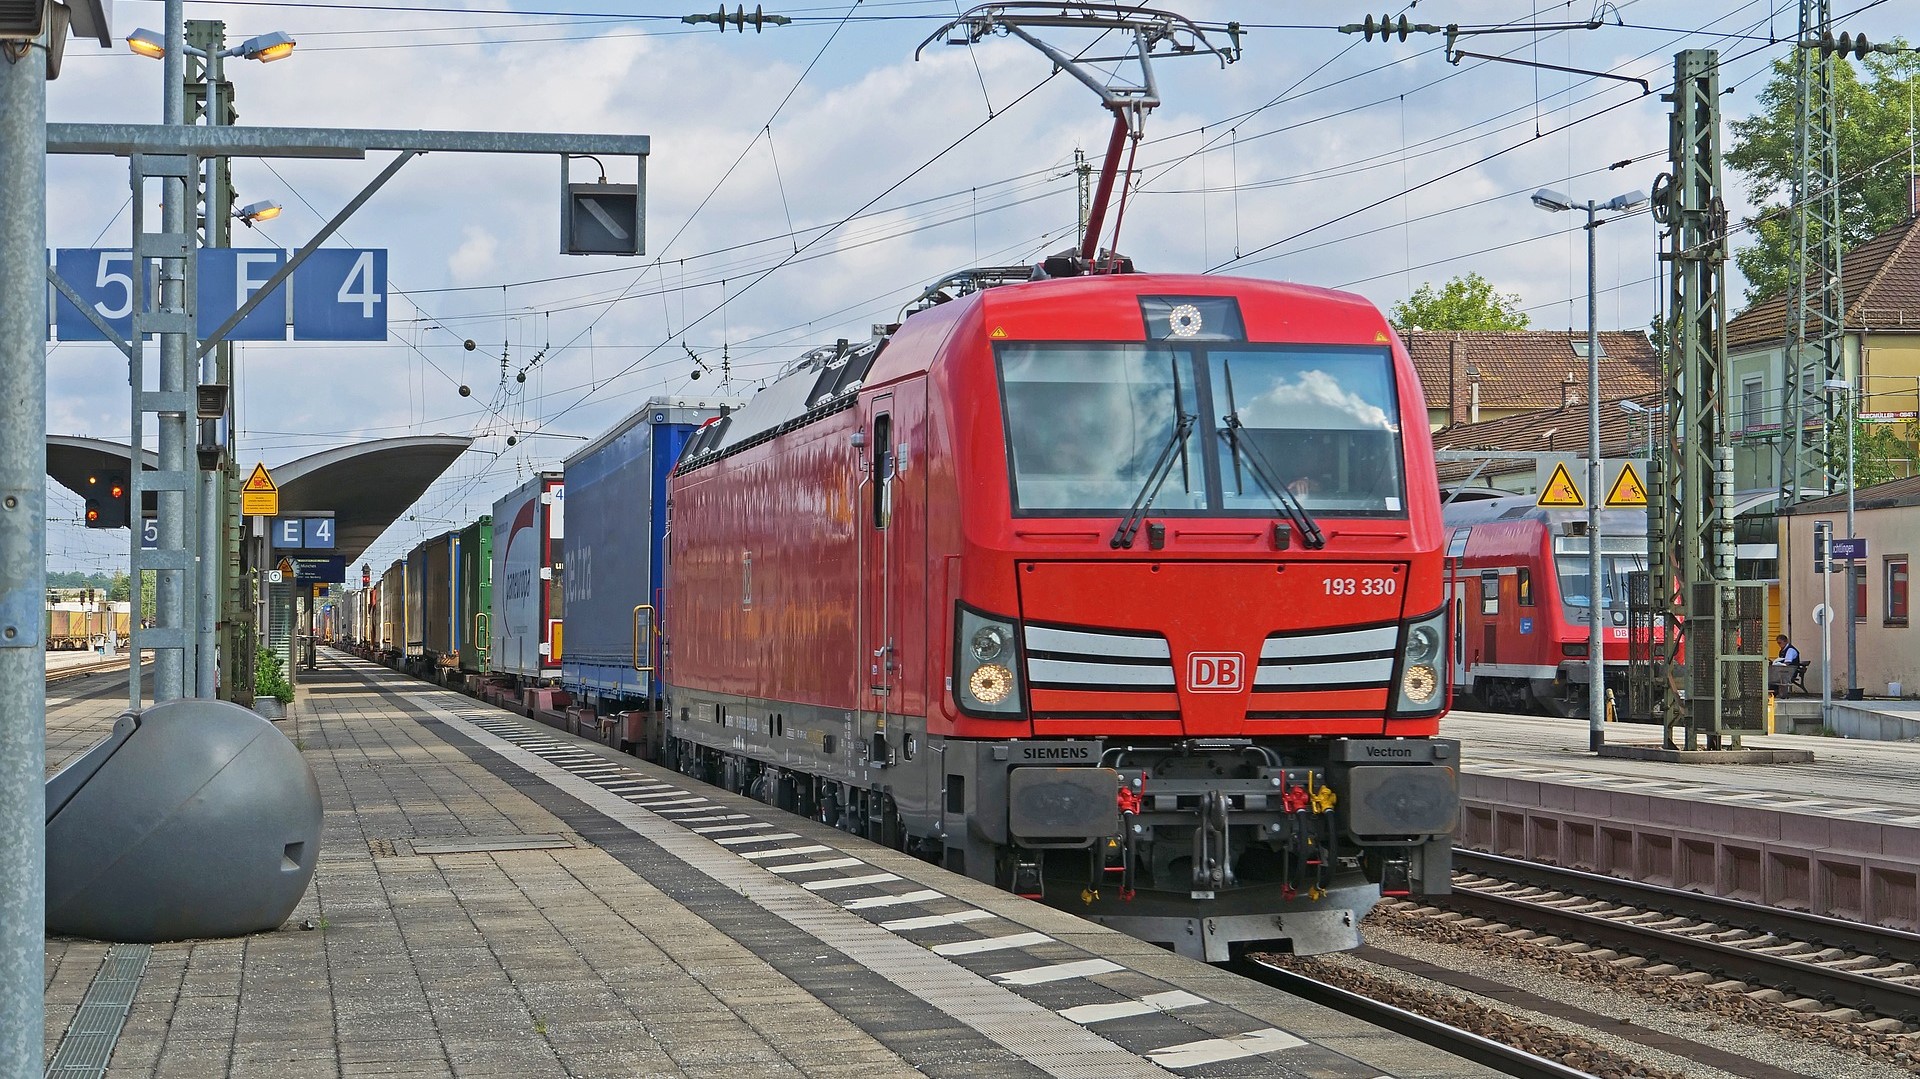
(260, 496)
(1560, 491)
(1627, 490)
(998, 333)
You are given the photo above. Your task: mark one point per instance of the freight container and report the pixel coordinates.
(529, 529)
(393, 609)
(617, 490)
(473, 598)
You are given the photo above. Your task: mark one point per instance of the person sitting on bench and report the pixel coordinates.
(1788, 669)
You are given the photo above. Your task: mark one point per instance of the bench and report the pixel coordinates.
(1784, 678)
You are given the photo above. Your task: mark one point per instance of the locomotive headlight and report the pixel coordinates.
(986, 664)
(1422, 653)
(1423, 643)
(990, 683)
(990, 643)
(1419, 684)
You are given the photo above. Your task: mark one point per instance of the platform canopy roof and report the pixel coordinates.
(367, 485)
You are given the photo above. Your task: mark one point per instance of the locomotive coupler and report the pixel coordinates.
(1212, 853)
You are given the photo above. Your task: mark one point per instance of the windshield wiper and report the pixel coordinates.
(1310, 533)
(1142, 502)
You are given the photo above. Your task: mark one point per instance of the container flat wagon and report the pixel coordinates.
(529, 527)
(393, 610)
(617, 495)
(473, 596)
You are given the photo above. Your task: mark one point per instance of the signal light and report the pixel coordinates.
(106, 501)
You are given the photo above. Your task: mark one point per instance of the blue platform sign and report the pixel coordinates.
(341, 295)
(338, 294)
(1848, 548)
(104, 279)
(288, 533)
(228, 278)
(320, 570)
(316, 533)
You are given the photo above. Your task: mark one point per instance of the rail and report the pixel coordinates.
(1848, 963)
(1461, 1043)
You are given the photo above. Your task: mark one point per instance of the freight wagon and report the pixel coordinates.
(529, 527)
(617, 515)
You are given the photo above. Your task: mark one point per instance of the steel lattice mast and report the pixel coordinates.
(1814, 353)
(1714, 675)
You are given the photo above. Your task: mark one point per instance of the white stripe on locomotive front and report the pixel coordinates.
(1044, 672)
(1345, 642)
(1044, 639)
(1306, 675)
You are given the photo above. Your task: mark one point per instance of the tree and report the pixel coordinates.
(1872, 137)
(1463, 303)
(1882, 451)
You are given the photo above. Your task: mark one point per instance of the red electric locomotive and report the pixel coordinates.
(1124, 591)
(1519, 594)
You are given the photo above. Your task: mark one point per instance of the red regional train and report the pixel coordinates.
(1122, 591)
(1519, 594)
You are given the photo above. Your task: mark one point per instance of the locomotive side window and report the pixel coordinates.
(1489, 591)
(1523, 586)
(882, 470)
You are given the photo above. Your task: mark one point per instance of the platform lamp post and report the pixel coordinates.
(1853, 590)
(224, 614)
(1554, 202)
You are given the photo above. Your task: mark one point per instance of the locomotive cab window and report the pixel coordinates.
(882, 470)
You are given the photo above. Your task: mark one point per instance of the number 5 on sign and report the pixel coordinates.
(341, 295)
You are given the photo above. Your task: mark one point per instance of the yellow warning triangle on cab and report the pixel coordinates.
(1627, 490)
(261, 480)
(1560, 490)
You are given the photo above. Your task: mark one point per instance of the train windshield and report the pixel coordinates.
(1086, 425)
(1570, 555)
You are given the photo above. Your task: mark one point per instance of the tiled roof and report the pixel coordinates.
(1879, 279)
(1526, 368)
(1880, 496)
(1547, 430)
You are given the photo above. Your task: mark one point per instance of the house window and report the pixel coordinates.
(1896, 612)
(1859, 593)
(1752, 398)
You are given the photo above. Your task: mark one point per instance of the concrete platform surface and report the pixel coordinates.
(497, 898)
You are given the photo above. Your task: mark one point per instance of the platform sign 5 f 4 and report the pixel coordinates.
(338, 294)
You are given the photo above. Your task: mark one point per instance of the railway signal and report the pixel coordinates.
(106, 501)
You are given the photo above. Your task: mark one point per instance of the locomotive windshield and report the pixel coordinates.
(1086, 424)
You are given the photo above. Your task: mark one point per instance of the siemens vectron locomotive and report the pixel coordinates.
(1124, 591)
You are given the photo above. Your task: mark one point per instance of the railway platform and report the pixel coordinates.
(495, 897)
(1836, 835)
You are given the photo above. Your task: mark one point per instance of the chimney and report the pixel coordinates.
(1473, 388)
(1455, 373)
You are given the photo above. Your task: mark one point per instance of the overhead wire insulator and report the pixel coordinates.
(1387, 27)
(759, 20)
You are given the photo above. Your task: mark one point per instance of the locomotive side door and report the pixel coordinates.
(879, 643)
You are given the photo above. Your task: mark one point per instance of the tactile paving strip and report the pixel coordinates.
(1024, 991)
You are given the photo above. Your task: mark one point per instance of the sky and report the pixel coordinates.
(808, 181)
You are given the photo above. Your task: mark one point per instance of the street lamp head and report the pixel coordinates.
(266, 48)
(1627, 201)
(1837, 384)
(1548, 199)
(264, 210)
(1634, 407)
(148, 43)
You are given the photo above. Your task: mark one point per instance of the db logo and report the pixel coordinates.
(1215, 672)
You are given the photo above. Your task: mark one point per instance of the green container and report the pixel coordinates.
(475, 594)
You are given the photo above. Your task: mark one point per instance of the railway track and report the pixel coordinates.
(81, 670)
(1448, 1039)
(1747, 947)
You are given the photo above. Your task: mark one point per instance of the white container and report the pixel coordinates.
(1894, 688)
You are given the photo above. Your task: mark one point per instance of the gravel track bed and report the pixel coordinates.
(1814, 1046)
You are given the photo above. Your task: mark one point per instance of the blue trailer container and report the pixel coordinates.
(617, 515)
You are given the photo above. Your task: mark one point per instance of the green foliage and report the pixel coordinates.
(76, 579)
(1882, 451)
(121, 589)
(1463, 303)
(1872, 140)
(269, 679)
